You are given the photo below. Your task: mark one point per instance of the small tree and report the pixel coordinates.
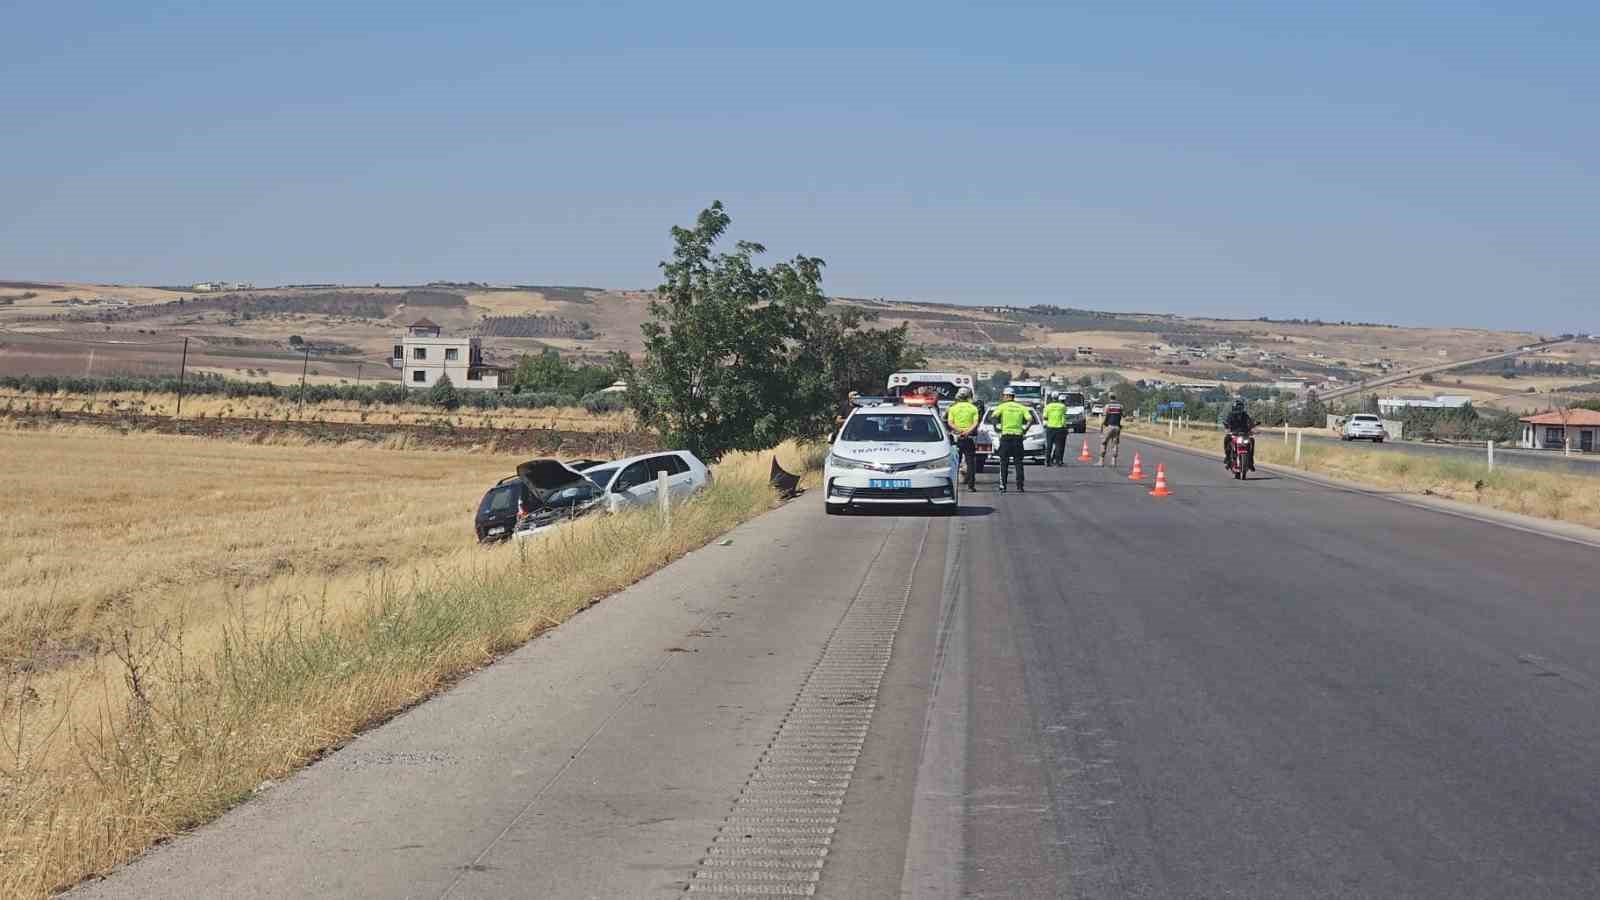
(542, 372)
(717, 373)
(443, 394)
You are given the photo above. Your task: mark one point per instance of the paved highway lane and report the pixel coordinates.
(1268, 689)
(1273, 689)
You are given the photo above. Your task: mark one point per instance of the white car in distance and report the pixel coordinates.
(988, 434)
(892, 456)
(1364, 427)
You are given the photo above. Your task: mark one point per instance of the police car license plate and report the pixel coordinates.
(890, 483)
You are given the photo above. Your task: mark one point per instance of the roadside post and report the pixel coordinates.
(304, 364)
(1286, 432)
(1171, 424)
(664, 497)
(1491, 456)
(183, 366)
(1299, 438)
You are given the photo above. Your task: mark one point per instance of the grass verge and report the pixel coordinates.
(1563, 497)
(173, 724)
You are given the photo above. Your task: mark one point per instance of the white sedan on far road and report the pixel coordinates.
(1364, 427)
(892, 456)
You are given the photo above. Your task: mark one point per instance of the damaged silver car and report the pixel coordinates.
(560, 492)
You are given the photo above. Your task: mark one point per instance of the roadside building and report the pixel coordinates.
(1549, 431)
(1392, 405)
(424, 355)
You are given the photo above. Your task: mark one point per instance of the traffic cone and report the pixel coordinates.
(1161, 482)
(1138, 469)
(1084, 456)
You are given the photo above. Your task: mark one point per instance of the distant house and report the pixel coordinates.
(1549, 431)
(424, 355)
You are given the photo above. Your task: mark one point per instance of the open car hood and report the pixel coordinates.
(546, 476)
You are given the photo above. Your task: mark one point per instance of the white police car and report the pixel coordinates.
(892, 456)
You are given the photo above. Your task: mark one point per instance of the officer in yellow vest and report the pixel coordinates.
(963, 417)
(1055, 431)
(1013, 419)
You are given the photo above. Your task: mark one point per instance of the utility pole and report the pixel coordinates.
(358, 373)
(303, 365)
(183, 365)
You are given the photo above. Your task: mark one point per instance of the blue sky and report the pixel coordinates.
(1418, 163)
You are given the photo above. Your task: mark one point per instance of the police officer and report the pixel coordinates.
(963, 417)
(1013, 419)
(1055, 431)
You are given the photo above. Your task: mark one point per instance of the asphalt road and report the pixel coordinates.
(1267, 689)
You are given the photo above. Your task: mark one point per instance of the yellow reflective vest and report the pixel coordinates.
(1055, 414)
(962, 416)
(1013, 418)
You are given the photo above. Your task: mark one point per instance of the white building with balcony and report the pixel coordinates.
(424, 355)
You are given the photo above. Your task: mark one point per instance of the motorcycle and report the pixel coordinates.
(1244, 455)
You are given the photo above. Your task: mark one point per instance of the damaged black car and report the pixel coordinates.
(544, 492)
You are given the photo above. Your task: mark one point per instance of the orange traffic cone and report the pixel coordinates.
(1138, 469)
(1161, 482)
(1084, 456)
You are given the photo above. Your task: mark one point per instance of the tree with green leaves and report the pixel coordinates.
(544, 371)
(443, 394)
(740, 356)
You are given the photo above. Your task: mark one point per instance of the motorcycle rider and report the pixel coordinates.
(963, 417)
(1012, 418)
(1238, 422)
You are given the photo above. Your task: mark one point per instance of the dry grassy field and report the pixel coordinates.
(181, 619)
(162, 524)
(276, 409)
